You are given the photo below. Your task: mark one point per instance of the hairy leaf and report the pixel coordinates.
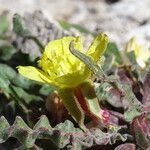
(141, 130)
(113, 50)
(63, 135)
(6, 52)
(19, 26)
(126, 146)
(146, 95)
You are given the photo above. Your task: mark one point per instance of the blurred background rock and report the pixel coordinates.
(120, 19)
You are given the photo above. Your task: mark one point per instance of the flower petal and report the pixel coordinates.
(142, 53)
(98, 47)
(34, 74)
(58, 58)
(61, 46)
(73, 79)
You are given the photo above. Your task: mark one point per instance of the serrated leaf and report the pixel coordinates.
(102, 138)
(23, 133)
(64, 135)
(42, 123)
(19, 122)
(141, 129)
(126, 146)
(4, 125)
(64, 130)
(146, 88)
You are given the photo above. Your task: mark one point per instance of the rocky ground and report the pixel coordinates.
(120, 19)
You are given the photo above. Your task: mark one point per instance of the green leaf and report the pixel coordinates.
(19, 26)
(20, 29)
(131, 57)
(141, 130)
(131, 113)
(7, 71)
(67, 26)
(3, 24)
(135, 107)
(64, 135)
(91, 98)
(23, 82)
(23, 133)
(21, 124)
(6, 75)
(129, 95)
(65, 129)
(72, 106)
(4, 86)
(4, 125)
(102, 91)
(6, 52)
(46, 90)
(22, 94)
(108, 63)
(43, 123)
(112, 49)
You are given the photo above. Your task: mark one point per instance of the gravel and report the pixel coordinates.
(121, 19)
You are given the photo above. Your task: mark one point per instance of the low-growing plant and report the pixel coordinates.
(71, 98)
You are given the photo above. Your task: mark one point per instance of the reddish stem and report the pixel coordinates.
(84, 105)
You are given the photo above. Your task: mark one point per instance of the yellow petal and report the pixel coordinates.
(98, 47)
(142, 53)
(34, 74)
(73, 79)
(78, 44)
(132, 45)
(61, 46)
(58, 59)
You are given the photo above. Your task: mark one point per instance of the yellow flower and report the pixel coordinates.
(59, 67)
(142, 53)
